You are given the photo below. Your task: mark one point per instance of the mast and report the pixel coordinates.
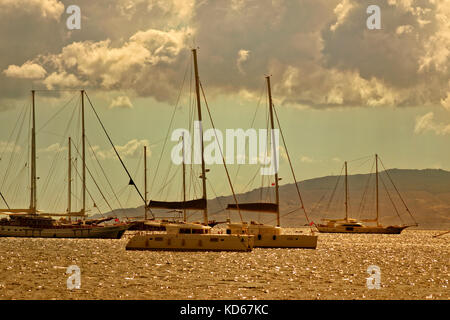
(69, 181)
(145, 183)
(184, 181)
(376, 176)
(33, 202)
(199, 111)
(346, 193)
(277, 196)
(83, 155)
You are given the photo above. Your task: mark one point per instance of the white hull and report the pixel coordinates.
(363, 229)
(286, 241)
(191, 242)
(101, 232)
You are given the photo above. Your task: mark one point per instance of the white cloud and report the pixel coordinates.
(341, 11)
(121, 102)
(446, 101)
(28, 70)
(62, 80)
(427, 123)
(242, 57)
(8, 148)
(132, 149)
(51, 9)
(306, 159)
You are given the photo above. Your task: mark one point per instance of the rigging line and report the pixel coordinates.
(115, 150)
(398, 192)
(221, 152)
(87, 190)
(4, 200)
(365, 157)
(317, 204)
(169, 127)
(361, 204)
(290, 164)
(58, 154)
(21, 114)
(135, 174)
(251, 125)
(215, 194)
(104, 173)
(95, 182)
(11, 158)
(56, 113)
(392, 202)
(334, 190)
(284, 215)
(168, 181)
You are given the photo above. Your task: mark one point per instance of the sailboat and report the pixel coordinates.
(269, 236)
(349, 225)
(182, 235)
(30, 222)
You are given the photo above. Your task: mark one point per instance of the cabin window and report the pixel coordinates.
(259, 237)
(214, 239)
(228, 231)
(185, 230)
(221, 239)
(158, 239)
(349, 228)
(198, 231)
(274, 237)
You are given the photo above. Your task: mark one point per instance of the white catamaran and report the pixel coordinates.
(269, 236)
(181, 235)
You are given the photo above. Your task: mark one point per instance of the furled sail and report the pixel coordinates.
(191, 204)
(257, 206)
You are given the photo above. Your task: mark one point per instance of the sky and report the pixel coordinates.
(341, 91)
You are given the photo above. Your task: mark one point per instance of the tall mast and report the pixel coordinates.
(83, 154)
(184, 181)
(376, 169)
(33, 201)
(274, 152)
(346, 193)
(145, 183)
(69, 181)
(199, 111)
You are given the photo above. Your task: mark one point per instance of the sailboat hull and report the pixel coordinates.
(191, 242)
(98, 232)
(362, 229)
(286, 241)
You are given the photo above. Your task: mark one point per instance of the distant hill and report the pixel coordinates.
(425, 192)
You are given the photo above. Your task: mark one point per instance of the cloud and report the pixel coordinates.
(306, 159)
(55, 147)
(143, 64)
(51, 9)
(28, 70)
(132, 149)
(121, 102)
(242, 57)
(319, 52)
(446, 101)
(62, 80)
(6, 147)
(426, 123)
